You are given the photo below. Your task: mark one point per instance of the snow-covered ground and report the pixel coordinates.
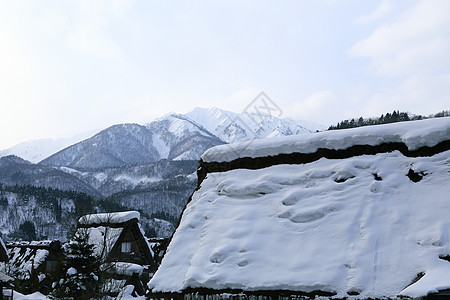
(350, 225)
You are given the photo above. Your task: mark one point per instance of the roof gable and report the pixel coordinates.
(107, 231)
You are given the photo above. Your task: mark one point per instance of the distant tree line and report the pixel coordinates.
(164, 216)
(393, 117)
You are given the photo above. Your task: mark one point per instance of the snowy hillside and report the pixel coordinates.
(179, 138)
(367, 225)
(36, 150)
(159, 190)
(233, 127)
(109, 181)
(16, 171)
(117, 145)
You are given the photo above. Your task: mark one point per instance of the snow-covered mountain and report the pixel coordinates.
(233, 127)
(173, 137)
(36, 150)
(117, 145)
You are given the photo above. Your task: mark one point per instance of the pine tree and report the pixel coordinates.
(80, 280)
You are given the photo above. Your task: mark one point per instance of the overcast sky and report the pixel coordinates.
(71, 66)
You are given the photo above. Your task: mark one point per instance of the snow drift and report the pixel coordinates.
(369, 225)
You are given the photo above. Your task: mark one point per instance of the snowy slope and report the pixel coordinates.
(355, 225)
(117, 145)
(16, 171)
(36, 150)
(177, 137)
(233, 127)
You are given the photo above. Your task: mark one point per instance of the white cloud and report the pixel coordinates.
(239, 100)
(320, 107)
(382, 10)
(90, 39)
(417, 42)
(92, 30)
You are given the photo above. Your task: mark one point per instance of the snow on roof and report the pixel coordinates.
(351, 225)
(103, 238)
(414, 134)
(122, 268)
(115, 217)
(23, 260)
(44, 243)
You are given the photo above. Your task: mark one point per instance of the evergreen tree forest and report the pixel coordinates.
(395, 116)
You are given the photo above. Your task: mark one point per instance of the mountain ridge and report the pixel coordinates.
(173, 136)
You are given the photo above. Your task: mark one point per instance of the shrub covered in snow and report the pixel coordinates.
(80, 280)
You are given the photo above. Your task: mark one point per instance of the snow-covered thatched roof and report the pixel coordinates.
(34, 244)
(367, 225)
(414, 135)
(109, 218)
(25, 256)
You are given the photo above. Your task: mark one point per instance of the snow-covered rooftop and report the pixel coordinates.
(414, 134)
(111, 218)
(22, 262)
(337, 225)
(103, 238)
(44, 243)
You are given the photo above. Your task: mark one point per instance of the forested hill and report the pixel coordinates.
(29, 213)
(36, 213)
(395, 116)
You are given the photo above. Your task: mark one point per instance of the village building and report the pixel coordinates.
(122, 247)
(330, 214)
(35, 264)
(158, 247)
(6, 292)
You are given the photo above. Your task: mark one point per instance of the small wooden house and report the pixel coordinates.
(122, 246)
(5, 280)
(6, 287)
(34, 264)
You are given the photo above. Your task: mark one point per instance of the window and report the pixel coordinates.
(126, 247)
(51, 265)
